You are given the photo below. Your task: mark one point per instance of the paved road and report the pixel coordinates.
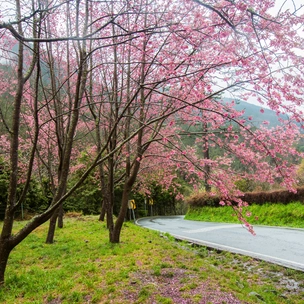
(277, 245)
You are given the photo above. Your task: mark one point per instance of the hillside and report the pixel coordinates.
(255, 112)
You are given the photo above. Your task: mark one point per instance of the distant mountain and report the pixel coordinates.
(254, 111)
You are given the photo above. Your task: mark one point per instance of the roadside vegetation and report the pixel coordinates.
(285, 215)
(146, 267)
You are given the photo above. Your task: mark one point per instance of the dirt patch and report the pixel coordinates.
(177, 286)
(53, 301)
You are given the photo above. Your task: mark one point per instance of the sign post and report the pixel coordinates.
(146, 211)
(151, 205)
(132, 206)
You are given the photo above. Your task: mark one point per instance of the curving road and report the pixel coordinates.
(283, 246)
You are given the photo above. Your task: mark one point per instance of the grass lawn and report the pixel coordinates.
(146, 267)
(290, 215)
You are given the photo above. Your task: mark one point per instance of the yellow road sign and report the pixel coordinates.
(131, 204)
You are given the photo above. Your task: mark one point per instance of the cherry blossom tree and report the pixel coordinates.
(132, 75)
(177, 68)
(25, 72)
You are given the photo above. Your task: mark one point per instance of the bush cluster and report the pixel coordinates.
(259, 198)
(87, 199)
(203, 199)
(37, 199)
(274, 197)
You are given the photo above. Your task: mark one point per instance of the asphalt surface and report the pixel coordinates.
(283, 246)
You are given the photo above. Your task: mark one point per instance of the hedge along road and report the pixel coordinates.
(283, 246)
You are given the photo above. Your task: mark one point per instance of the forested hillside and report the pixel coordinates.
(257, 114)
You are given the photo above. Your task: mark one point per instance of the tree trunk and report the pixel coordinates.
(115, 232)
(60, 217)
(52, 227)
(5, 250)
(8, 241)
(6, 233)
(102, 212)
(115, 229)
(110, 221)
(5, 241)
(115, 235)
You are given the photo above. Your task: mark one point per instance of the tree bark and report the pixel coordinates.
(5, 247)
(60, 217)
(102, 212)
(5, 250)
(8, 241)
(52, 227)
(73, 121)
(116, 231)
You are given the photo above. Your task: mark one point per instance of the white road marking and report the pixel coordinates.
(277, 260)
(207, 229)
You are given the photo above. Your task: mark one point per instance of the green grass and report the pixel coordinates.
(83, 267)
(290, 215)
